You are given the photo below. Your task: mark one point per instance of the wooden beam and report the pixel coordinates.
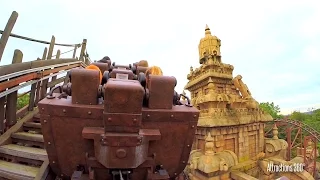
(6, 137)
(44, 171)
(7, 31)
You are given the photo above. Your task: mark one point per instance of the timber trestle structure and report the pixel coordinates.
(301, 138)
(22, 152)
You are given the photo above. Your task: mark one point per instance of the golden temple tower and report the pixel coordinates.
(228, 112)
(229, 142)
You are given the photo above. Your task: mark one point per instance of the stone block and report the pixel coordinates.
(235, 130)
(225, 175)
(254, 127)
(214, 178)
(229, 136)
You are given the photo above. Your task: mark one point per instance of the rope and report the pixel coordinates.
(64, 52)
(39, 41)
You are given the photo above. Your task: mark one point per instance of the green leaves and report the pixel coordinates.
(271, 109)
(22, 101)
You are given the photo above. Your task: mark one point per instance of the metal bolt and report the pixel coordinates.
(171, 115)
(161, 166)
(61, 175)
(89, 113)
(49, 142)
(45, 121)
(194, 116)
(188, 145)
(42, 108)
(109, 119)
(53, 162)
(134, 119)
(183, 162)
(192, 126)
(148, 115)
(175, 174)
(64, 110)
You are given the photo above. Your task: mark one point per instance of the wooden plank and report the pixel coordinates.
(43, 171)
(11, 107)
(22, 112)
(32, 124)
(44, 83)
(12, 68)
(83, 48)
(37, 98)
(24, 152)
(6, 137)
(28, 136)
(17, 171)
(7, 31)
(55, 70)
(55, 77)
(2, 114)
(32, 97)
(55, 82)
(18, 80)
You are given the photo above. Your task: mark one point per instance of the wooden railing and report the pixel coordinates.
(40, 75)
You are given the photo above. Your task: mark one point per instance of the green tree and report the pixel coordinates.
(272, 109)
(312, 119)
(23, 101)
(299, 116)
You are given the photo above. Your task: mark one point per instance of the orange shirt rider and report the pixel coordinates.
(94, 67)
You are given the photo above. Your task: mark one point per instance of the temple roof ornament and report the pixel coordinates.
(275, 132)
(209, 45)
(223, 99)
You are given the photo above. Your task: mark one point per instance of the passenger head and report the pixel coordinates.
(153, 70)
(105, 59)
(94, 67)
(143, 63)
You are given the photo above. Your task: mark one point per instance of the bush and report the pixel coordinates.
(23, 101)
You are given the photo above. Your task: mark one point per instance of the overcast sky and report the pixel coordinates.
(274, 45)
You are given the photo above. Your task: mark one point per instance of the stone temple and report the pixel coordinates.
(230, 142)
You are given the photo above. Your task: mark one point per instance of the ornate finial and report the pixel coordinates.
(210, 80)
(210, 84)
(191, 69)
(209, 145)
(275, 132)
(184, 93)
(207, 30)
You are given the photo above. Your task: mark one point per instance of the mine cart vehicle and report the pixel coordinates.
(117, 122)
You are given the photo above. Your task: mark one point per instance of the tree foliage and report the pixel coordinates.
(23, 101)
(311, 118)
(272, 109)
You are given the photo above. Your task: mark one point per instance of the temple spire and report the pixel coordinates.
(207, 30)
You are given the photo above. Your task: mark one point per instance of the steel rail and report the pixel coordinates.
(304, 126)
(19, 73)
(16, 88)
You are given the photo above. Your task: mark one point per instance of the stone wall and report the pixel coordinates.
(246, 141)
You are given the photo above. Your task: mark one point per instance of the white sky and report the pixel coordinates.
(274, 45)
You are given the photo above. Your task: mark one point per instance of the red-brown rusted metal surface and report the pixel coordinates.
(122, 131)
